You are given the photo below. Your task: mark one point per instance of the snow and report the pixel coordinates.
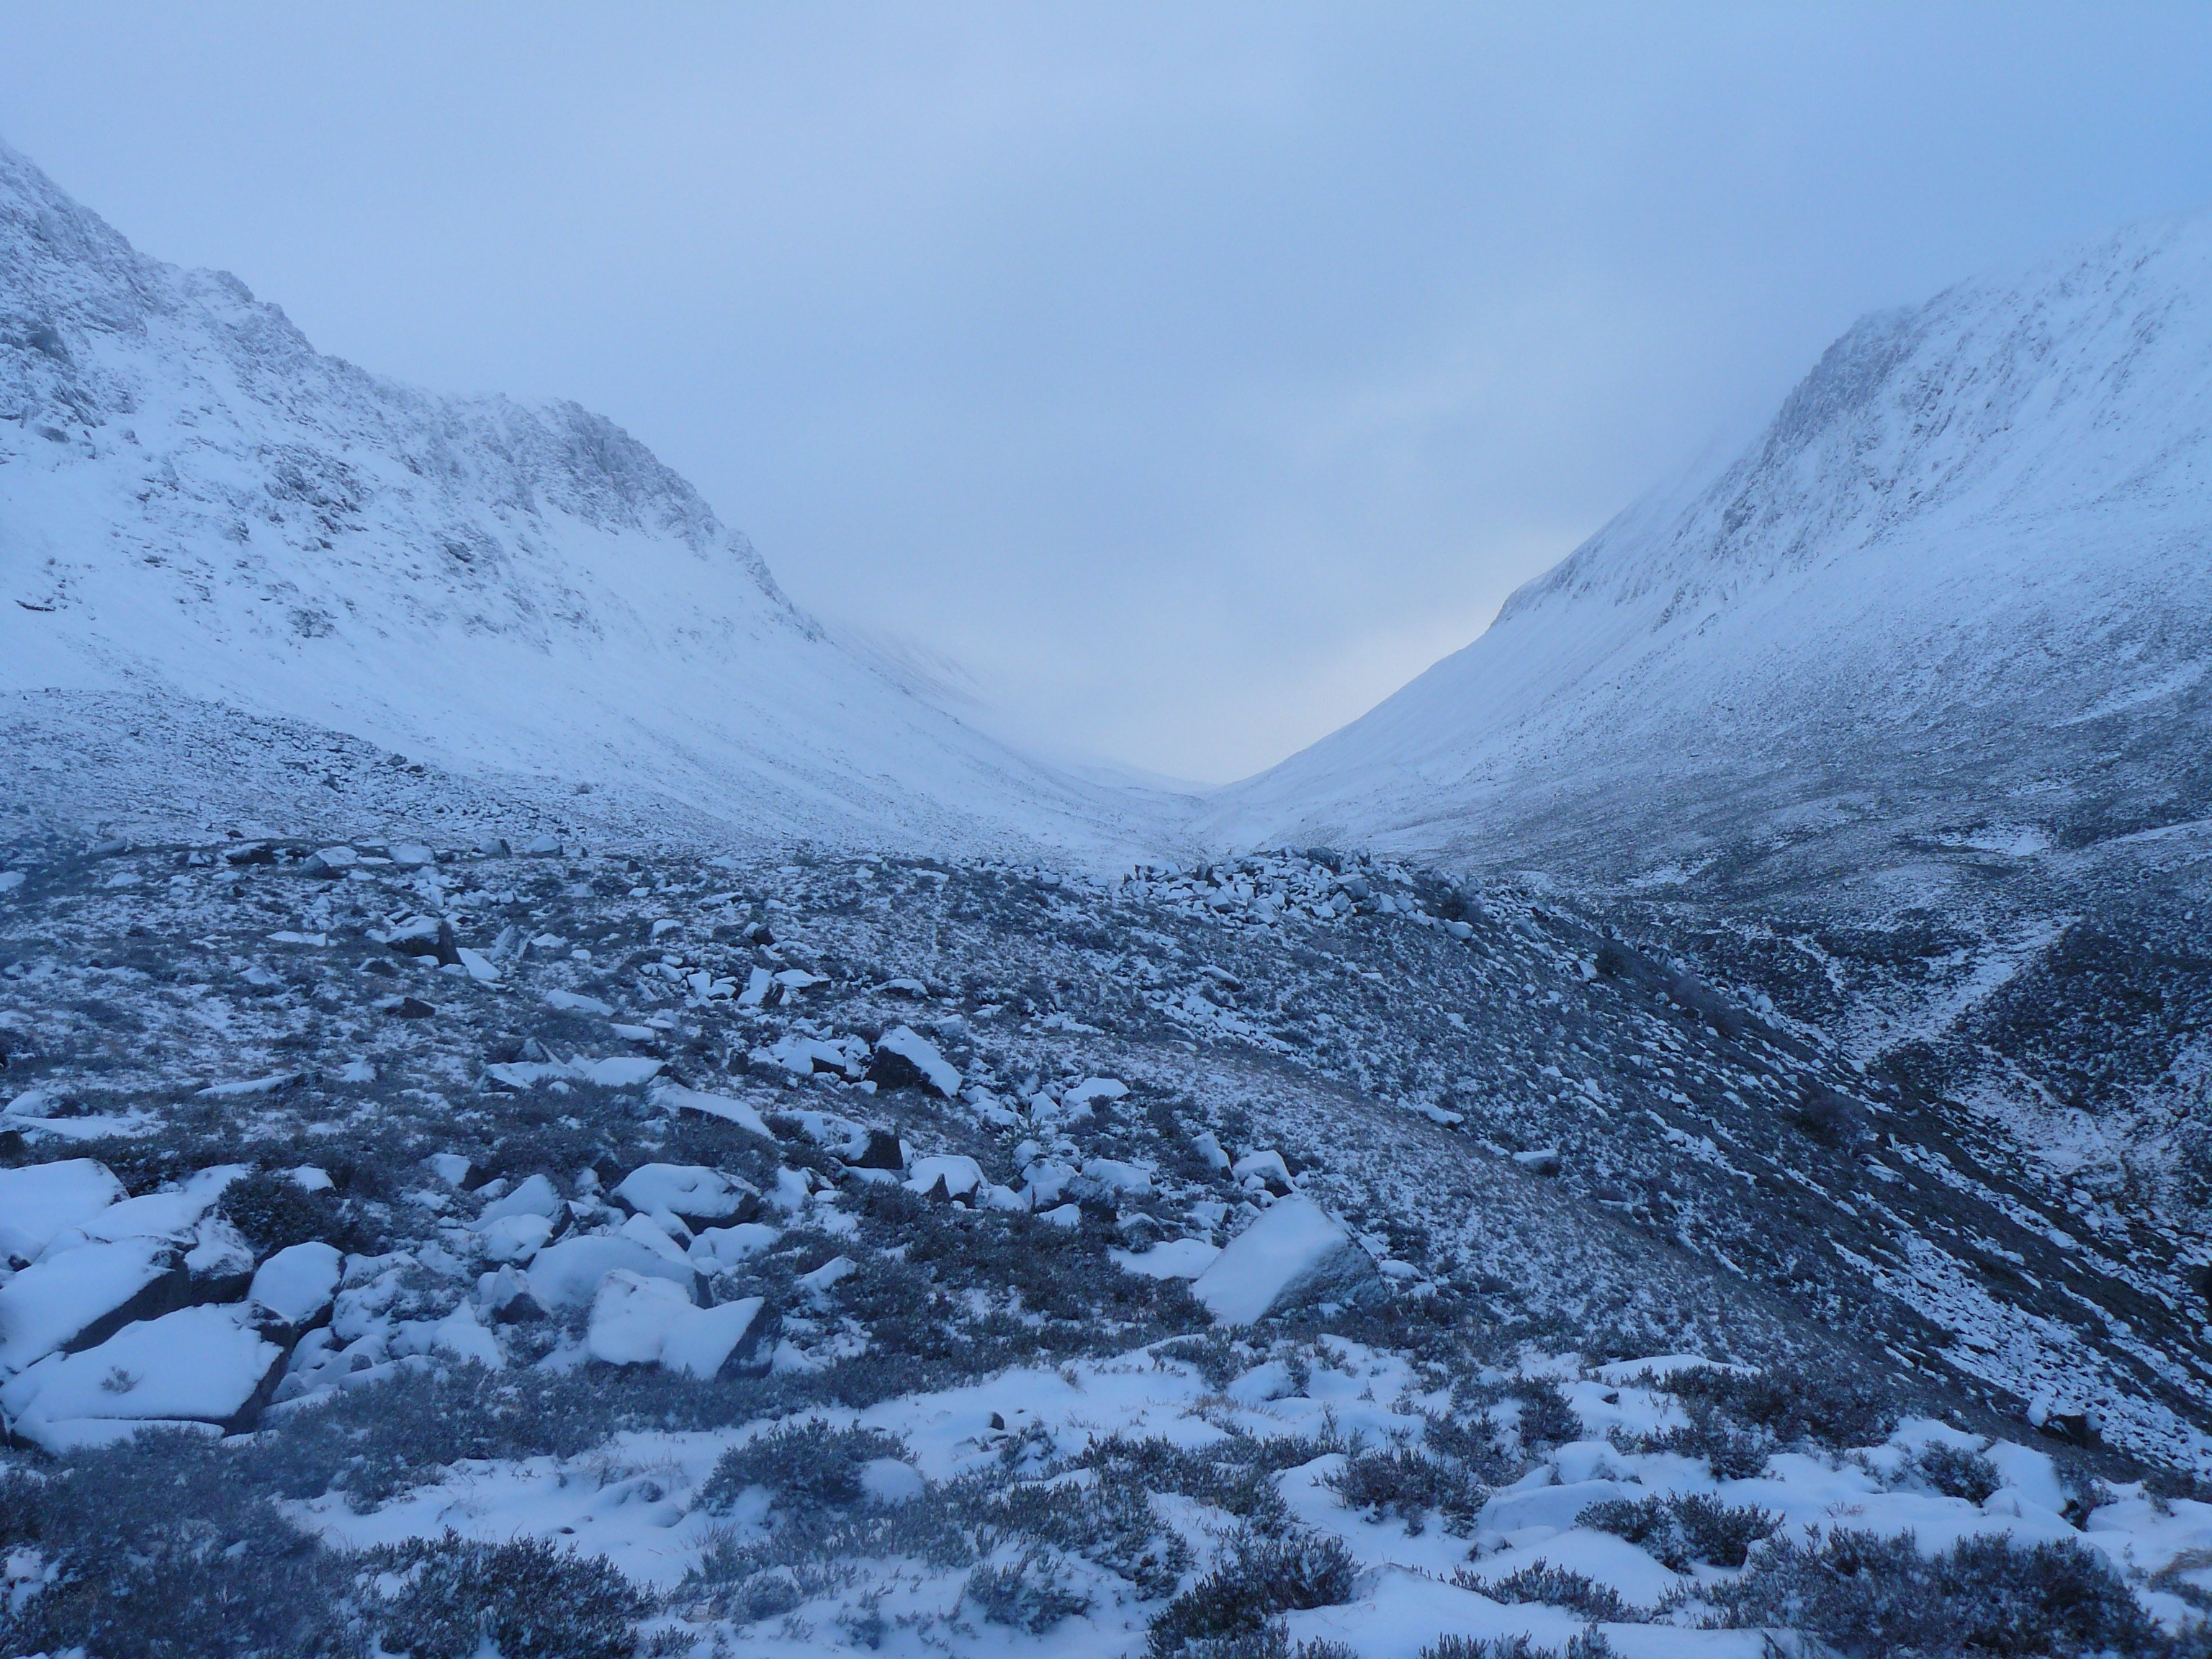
(204, 1363)
(1295, 1251)
(576, 1002)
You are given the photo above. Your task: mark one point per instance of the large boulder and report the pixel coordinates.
(904, 1059)
(82, 1296)
(695, 1195)
(205, 1364)
(1295, 1255)
(567, 1274)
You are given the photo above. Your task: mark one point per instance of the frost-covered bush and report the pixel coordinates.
(806, 1466)
(1401, 1482)
(525, 1599)
(1110, 1520)
(1472, 1442)
(1826, 1411)
(376, 1442)
(1547, 1418)
(1030, 1594)
(1867, 1595)
(158, 1549)
(1236, 1473)
(1589, 1644)
(1260, 1577)
(1955, 1472)
(274, 1210)
(1557, 1587)
(1679, 1530)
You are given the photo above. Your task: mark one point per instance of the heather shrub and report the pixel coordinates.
(524, 1599)
(806, 1465)
(1867, 1595)
(1262, 1577)
(1679, 1530)
(1403, 1483)
(1029, 1594)
(1556, 1587)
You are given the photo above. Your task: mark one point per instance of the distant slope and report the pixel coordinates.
(1963, 579)
(195, 503)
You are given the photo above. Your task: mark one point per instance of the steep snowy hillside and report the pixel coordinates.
(1962, 575)
(197, 507)
(1902, 714)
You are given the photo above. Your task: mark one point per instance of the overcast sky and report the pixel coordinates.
(1193, 376)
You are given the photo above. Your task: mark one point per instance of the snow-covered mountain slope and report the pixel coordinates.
(1962, 578)
(196, 504)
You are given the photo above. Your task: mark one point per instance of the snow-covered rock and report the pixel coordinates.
(566, 1274)
(204, 1365)
(719, 1248)
(1295, 1254)
(1178, 1258)
(297, 1283)
(958, 1175)
(675, 1098)
(905, 1059)
(696, 1195)
(81, 1295)
(640, 1320)
(534, 1196)
(39, 1200)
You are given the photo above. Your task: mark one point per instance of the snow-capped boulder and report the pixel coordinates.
(675, 1098)
(219, 1262)
(1208, 1149)
(1178, 1258)
(641, 1321)
(80, 1297)
(955, 1175)
(295, 1285)
(39, 1200)
(717, 1249)
(661, 1240)
(696, 1195)
(535, 1196)
(1092, 1090)
(567, 1274)
(514, 1238)
(424, 936)
(1295, 1254)
(173, 1214)
(1118, 1178)
(203, 1364)
(1268, 1165)
(576, 1002)
(904, 1059)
